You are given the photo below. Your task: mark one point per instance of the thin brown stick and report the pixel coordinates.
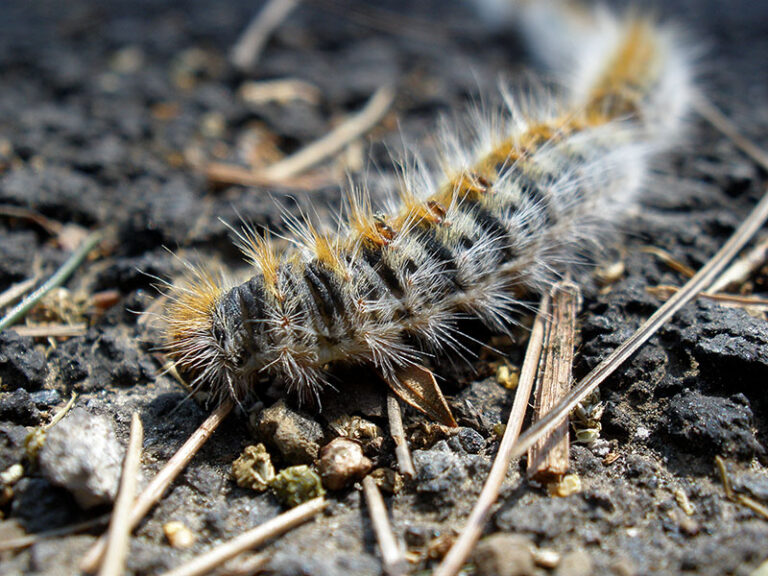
(156, 488)
(392, 556)
(246, 567)
(53, 227)
(712, 114)
(222, 173)
(281, 91)
(548, 459)
(29, 540)
(688, 292)
(753, 505)
(250, 539)
(119, 534)
(396, 430)
(466, 541)
(669, 260)
(248, 48)
(354, 127)
(51, 330)
(16, 291)
(665, 291)
(740, 271)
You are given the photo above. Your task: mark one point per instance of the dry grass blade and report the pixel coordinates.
(250, 539)
(466, 541)
(53, 227)
(753, 505)
(393, 559)
(354, 127)
(548, 459)
(156, 488)
(664, 291)
(248, 48)
(16, 291)
(670, 261)
(120, 525)
(711, 114)
(688, 292)
(750, 503)
(280, 91)
(26, 541)
(221, 173)
(396, 430)
(740, 271)
(54, 281)
(52, 330)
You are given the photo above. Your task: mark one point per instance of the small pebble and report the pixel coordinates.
(567, 485)
(297, 484)
(575, 563)
(504, 555)
(253, 469)
(12, 474)
(341, 463)
(546, 557)
(178, 535)
(507, 376)
(81, 453)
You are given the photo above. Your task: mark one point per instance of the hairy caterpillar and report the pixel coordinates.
(504, 216)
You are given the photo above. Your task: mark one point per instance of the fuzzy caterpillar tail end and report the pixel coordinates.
(507, 213)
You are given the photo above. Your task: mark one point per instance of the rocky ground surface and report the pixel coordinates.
(108, 113)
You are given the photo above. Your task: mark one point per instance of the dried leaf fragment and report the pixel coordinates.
(417, 387)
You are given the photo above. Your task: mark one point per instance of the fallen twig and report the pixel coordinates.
(711, 114)
(52, 330)
(548, 459)
(155, 489)
(466, 541)
(248, 48)
(281, 91)
(742, 499)
(246, 567)
(222, 173)
(664, 291)
(738, 272)
(250, 539)
(120, 526)
(354, 127)
(66, 270)
(396, 430)
(669, 260)
(53, 227)
(16, 291)
(27, 541)
(392, 557)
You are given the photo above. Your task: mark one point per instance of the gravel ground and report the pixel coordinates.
(108, 112)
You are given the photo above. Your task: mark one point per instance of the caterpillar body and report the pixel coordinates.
(502, 217)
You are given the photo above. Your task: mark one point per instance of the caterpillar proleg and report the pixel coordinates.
(504, 215)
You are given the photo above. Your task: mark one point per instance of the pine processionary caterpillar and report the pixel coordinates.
(504, 216)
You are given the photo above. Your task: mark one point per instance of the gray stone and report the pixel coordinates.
(81, 453)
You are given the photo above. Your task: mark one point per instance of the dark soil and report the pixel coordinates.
(108, 111)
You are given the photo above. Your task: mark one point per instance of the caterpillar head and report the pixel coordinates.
(207, 338)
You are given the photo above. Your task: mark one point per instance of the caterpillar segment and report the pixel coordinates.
(504, 216)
